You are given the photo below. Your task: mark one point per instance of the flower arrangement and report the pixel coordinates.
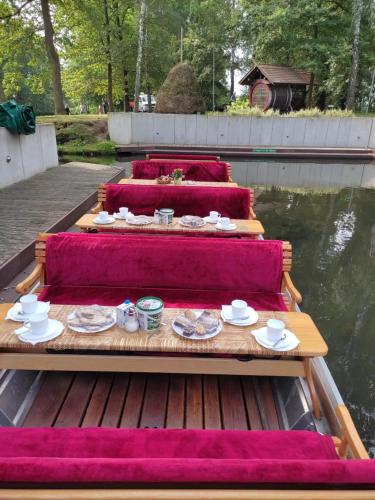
(177, 175)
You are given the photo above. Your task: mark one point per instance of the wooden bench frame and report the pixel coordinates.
(102, 190)
(349, 441)
(168, 160)
(291, 295)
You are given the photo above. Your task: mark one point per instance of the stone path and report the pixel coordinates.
(34, 205)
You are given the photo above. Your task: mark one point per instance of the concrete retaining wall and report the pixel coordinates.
(211, 130)
(22, 156)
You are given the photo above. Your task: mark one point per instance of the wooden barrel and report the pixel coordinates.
(264, 95)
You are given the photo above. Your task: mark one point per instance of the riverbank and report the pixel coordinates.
(81, 135)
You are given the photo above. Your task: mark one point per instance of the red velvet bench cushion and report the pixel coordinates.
(193, 170)
(231, 202)
(105, 269)
(173, 457)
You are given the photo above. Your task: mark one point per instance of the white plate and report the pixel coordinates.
(55, 328)
(96, 330)
(15, 312)
(117, 216)
(110, 220)
(187, 224)
(209, 220)
(229, 227)
(288, 344)
(140, 220)
(250, 312)
(179, 330)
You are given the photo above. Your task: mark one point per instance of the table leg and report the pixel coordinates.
(310, 383)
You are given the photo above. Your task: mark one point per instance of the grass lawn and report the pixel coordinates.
(70, 118)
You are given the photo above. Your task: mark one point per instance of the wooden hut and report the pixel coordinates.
(278, 87)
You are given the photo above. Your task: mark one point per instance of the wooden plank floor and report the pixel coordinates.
(153, 400)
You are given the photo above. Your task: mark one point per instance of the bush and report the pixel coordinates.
(241, 107)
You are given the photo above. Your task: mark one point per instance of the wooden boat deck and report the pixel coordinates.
(69, 399)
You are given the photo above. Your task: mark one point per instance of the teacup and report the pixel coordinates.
(29, 303)
(225, 221)
(103, 216)
(239, 309)
(215, 216)
(124, 211)
(275, 329)
(37, 324)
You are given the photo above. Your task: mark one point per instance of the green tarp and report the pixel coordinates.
(17, 118)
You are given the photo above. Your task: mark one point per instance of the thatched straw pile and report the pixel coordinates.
(180, 93)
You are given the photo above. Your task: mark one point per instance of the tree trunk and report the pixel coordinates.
(126, 92)
(232, 64)
(109, 56)
(53, 58)
(141, 36)
(357, 15)
(310, 92)
(2, 93)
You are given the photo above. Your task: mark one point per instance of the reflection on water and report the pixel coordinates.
(304, 174)
(333, 238)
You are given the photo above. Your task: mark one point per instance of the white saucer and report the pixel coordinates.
(209, 220)
(226, 314)
(15, 313)
(229, 227)
(288, 344)
(54, 329)
(110, 220)
(118, 216)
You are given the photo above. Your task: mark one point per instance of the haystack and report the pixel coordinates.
(180, 92)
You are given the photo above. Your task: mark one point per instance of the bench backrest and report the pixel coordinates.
(163, 262)
(166, 156)
(231, 202)
(209, 171)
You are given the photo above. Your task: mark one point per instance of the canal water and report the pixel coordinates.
(332, 230)
(327, 211)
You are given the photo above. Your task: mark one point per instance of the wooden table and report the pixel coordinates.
(152, 182)
(248, 357)
(245, 227)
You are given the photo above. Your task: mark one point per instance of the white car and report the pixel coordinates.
(143, 103)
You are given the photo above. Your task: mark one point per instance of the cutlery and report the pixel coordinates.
(278, 341)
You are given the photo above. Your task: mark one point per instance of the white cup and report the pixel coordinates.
(29, 303)
(225, 221)
(37, 324)
(214, 216)
(239, 309)
(124, 211)
(103, 216)
(275, 329)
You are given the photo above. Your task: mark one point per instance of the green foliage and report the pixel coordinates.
(218, 38)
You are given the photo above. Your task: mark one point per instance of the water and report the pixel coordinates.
(332, 231)
(329, 217)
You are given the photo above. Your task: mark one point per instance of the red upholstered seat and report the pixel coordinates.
(175, 457)
(231, 202)
(106, 269)
(196, 299)
(193, 170)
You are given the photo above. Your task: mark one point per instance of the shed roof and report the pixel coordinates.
(278, 74)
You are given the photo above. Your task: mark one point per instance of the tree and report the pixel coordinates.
(53, 58)
(141, 36)
(357, 16)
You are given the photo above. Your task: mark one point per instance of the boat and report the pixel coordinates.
(200, 404)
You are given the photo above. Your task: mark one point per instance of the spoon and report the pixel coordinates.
(280, 339)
